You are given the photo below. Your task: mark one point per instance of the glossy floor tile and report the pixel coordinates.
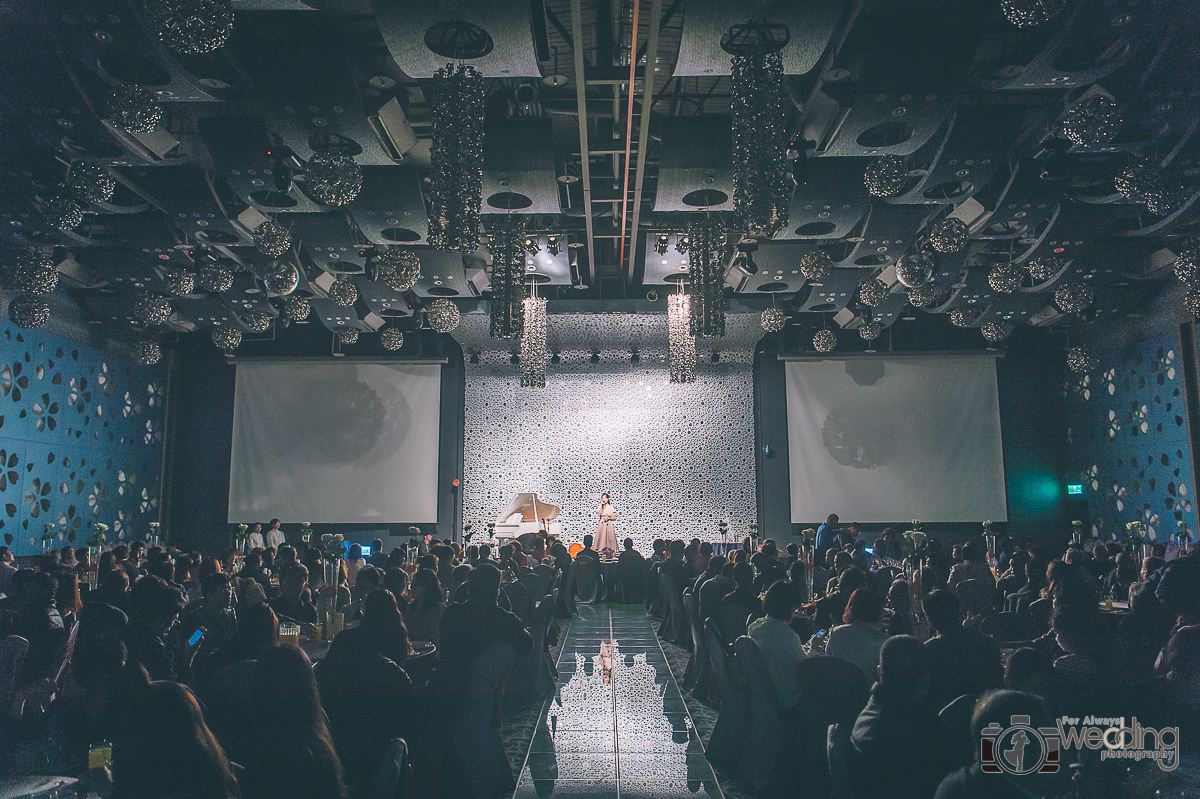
(617, 725)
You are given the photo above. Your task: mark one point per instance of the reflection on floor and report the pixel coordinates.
(617, 725)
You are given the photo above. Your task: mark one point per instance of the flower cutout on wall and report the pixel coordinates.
(152, 434)
(1110, 381)
(70, 520)
(44, 413)
(149, 501)
(125, 479)
(37, 497)
(1114, 424)
(157, 395)
(98, 499)
(12, 381)
(132, 406)
(1092, 477)
(119, 524)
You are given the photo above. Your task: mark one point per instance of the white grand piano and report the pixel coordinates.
(526, 514)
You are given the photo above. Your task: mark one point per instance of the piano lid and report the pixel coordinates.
(530, 507)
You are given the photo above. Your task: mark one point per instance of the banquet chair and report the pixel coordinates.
(725, 742)
(587, 581)
(760, 763)
(566, 593)
(536, 583)
(833, 691)
(674, 624)
(840, 752)
(480, 766)
(976, 596)
(699, 671)
(12, 655)
(631, 577)
(68, 651)
(535, 674)
(1041, 610)
(733, 622)
(1007, 626)
(519, 601)
(394, 775)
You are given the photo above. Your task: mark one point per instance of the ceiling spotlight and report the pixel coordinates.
(662, 243)
(744, 260)
(553, 245)
(555, 359)
(595, 359)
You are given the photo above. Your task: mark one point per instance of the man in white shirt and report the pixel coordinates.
(255, 539)
(780, 646)
(275, 536)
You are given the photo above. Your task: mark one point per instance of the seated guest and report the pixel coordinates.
(587, 551)
(113, 590)
(900, 741)
(631, 570)
(382, 628)
(740, 604)
(974, 566)
(458, 582)
(154, 606)
(166, 750)
(285, 558)
(995, 711)
(518, 555)
(214, 612)
(704, 553)
(676, 566)
(887, 548)
(861, 637)
(962, 659)
(423, 616)
(901, 621)
(710, 571)
(768, 570)
(38, 622)
(89, 709)
(295, 758)
(252, 569)
(293, 603)
(715, 589)
(780, 646)
(354, 564)
(66, 598)
(1120, 580)
(369, 578)
(395, 579)
(1030, 671)
(1082, 636)
(841, 562)
(471, 628)
(797, 579)
(1069, 585)
(8, 568)
(379, 558)
(1014, 579)
(831, 607)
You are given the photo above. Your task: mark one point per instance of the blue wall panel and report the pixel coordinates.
(81, 437)
(1130, 440)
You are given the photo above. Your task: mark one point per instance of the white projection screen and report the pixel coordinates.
(348, 442)
(879, 439)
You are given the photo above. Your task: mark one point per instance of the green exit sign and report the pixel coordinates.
(1075, 490)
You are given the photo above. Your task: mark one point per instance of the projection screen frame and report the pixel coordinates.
(339, 361)
(990, 355)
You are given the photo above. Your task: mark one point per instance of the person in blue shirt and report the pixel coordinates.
(826, 537)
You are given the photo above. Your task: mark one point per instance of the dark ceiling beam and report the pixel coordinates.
(581, 105)
(662, 26)
(556, 23)
(643, 130)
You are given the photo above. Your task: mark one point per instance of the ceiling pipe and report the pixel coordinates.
(581, 105)
(643, 128)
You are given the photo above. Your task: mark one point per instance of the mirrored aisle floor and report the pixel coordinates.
(617, 724)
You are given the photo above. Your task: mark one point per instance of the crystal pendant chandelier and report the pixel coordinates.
(681, 344)
(762, 182)
(508, 243)
(456, 154)
(704, 245)
(533, 342)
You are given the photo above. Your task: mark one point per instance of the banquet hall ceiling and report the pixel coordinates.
(1019, 133)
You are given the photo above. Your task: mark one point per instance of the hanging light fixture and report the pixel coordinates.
(180, 281)
(332, 178)
(456, 154)
(915, 268)
(257, 321)
(508, 245)
(147, 352)
(873, 292)
(1081, 360)
(661, 243)
(297, 308)
(1005, 278)
(90, 183)
(773, 320)
(343, 292)
(705, 243)
(348, 335)
(961, 317)
(28, 311)
(216, 278)
(825, 341)
(398, 269)
(948, 235)
(1092, 122)
(1187, 266)
(1073, 297)
(62, 212)
(392, 338)
(272, 238)
(1028, 13)
(36, 274)
(282, 278)
(133, 109)
(1042, 268)
(762, 182)
(870, 330)
(815, 265)
(226, 338)
(191, 27)
(681, 344)
(996, 332)
(533, 343)
(443, 315)
(886, 176)
(151, 309)
(922, 296)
